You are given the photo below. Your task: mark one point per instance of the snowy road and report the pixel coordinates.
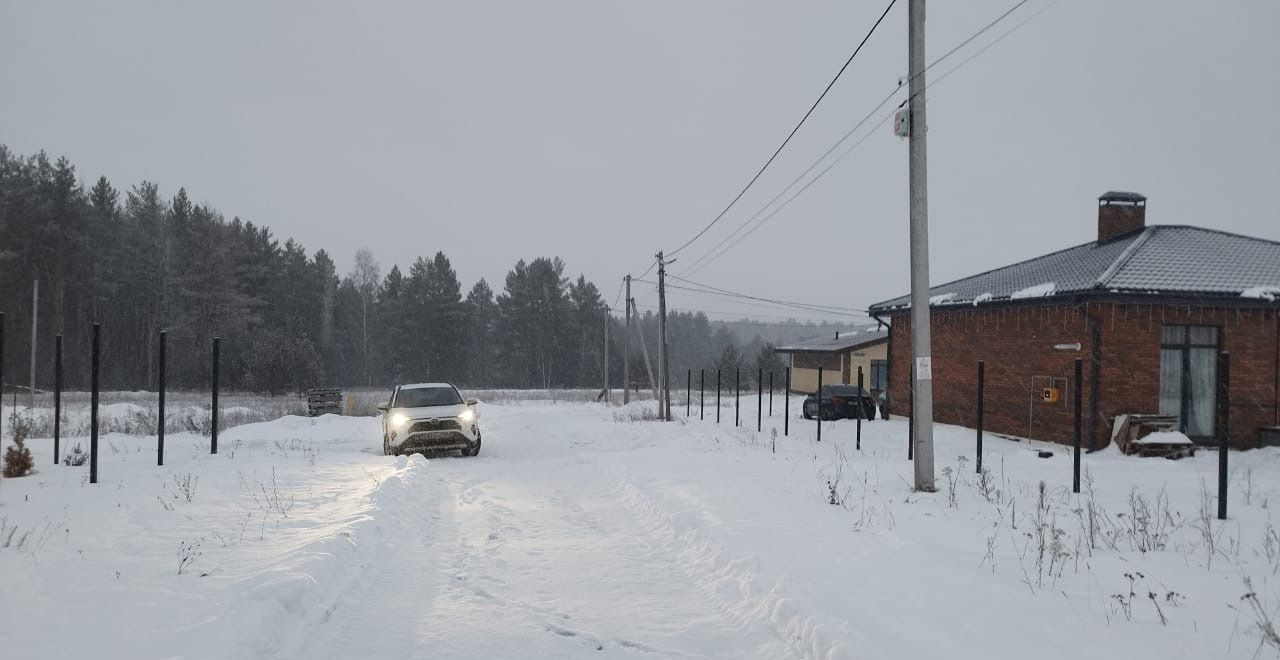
(526, 548)
(531, 547)
(585, 531)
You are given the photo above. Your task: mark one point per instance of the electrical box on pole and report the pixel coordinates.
(902, 122)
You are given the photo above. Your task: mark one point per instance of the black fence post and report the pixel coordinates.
(759, 400)
(702, 394)
(737, 397)
(982, 375)
(93, 404)
(57, 398)
(861, 409)
(160, 423)
(817, 396)
(1224, 414)
(717, 396)
(1079, 426)
(771, 394)
(213, 414)
(786, 404)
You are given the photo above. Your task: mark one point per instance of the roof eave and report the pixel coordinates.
(1219, 298)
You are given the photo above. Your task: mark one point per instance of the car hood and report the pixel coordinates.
(431, 411)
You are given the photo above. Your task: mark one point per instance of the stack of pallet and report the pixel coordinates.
(1151, 435)
(324, 401)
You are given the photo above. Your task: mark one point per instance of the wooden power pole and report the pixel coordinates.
(626, 344)
(664, 361)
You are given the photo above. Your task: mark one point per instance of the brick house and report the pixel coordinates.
(1148, 309)
(840, 355)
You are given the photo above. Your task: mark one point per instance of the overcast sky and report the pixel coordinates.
(603, 131)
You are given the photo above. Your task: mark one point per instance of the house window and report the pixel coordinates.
(879, 374)
(1188, 377)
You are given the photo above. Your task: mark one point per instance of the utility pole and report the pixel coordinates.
(644, 348)
(35, 313)
(664, 362)
(922, 403)
(626, 351)
(607, 393)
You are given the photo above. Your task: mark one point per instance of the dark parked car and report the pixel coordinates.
(841, 402)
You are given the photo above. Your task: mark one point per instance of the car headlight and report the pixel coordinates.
(467, 415)
(398, 420)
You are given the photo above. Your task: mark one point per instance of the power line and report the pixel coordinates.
(649, 269)
(783, 321)
(703, 295)
(977, 34)
(707, 258)
(618, 297)
(694, 267)
(853, 147)
(781, 303)
(734, 293)
(789, 135)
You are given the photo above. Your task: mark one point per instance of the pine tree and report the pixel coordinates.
(482, 317)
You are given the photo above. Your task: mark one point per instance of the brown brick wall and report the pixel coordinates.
(1017, 343)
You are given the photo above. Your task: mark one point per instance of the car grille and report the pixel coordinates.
(435, 425)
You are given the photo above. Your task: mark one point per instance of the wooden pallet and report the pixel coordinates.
(324, 401)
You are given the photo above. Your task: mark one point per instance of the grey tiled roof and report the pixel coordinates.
(845, 341)
(1159, 260)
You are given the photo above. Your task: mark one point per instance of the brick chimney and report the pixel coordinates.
(1120, 214)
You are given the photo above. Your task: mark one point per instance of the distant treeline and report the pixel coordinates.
(139, 263)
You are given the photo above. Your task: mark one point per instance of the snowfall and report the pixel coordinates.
(592, 531)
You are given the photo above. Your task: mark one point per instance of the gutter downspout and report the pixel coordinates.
(1095, 374)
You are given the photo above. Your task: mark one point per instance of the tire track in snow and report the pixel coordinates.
(489, 576)
(734, 584)
(294, 607)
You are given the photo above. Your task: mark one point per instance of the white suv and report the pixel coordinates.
(429, 417)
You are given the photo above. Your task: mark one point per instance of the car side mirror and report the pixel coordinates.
(472, 402)
(383, 407)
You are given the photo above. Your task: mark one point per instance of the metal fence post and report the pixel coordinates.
(817, 396)
(737, 397)
(982, 369)
(760, 400)
(688, 393)
(1224, 429)
(160, 423)
(57, 398)
(1079, 427)
(93, 404)
(213, 414)
(861, 410)
(702, 394)
(771, 394)
(717, 396)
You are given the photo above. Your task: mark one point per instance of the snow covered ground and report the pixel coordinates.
(583, 531)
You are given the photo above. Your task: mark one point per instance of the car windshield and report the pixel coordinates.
(839, 390)
(423, 397)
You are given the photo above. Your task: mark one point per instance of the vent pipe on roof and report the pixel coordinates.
(1120, 214)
